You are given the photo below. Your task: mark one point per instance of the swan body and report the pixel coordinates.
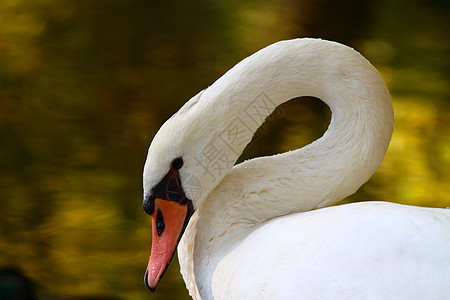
(371, 250)
(262, 229)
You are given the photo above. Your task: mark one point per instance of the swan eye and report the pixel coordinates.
(177, 163)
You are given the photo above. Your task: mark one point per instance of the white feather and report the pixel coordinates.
(260, 230)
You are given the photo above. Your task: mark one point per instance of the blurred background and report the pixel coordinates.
(84, 86)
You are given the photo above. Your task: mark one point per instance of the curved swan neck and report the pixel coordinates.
(362, 117)
(322, 173)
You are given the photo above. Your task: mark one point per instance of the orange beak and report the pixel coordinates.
(169, 219)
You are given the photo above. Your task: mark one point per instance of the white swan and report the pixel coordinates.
(259, 230)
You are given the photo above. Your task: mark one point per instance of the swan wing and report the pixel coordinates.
(370, 250)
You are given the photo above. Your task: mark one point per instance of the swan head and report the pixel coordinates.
(176, 180)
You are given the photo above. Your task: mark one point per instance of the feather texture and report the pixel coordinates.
(261, 229)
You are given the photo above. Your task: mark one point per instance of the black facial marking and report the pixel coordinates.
(149, 204)
(169, 188)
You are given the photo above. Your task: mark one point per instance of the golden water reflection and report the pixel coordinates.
(85, 85)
